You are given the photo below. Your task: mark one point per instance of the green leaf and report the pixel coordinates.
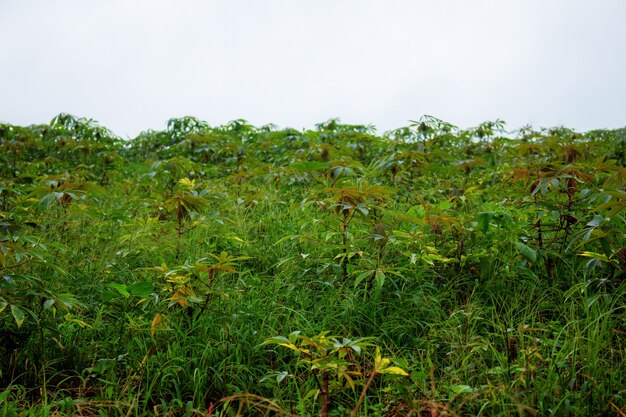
(68, 301)
(379, 279)
(120, 288)
(293, 336)
(3, 305)
(108, 296)
(595, 255)
(606, 246)
(47, 200)
(461, 389)
(141, 289)
(596, 221)
(305, 167)
(275, 339)
(483, 220)
(193, 203)
(196, 299)
(18, 315)
(526, 251)
(445, 205)
(361, 277)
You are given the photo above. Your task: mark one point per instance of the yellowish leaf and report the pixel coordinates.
(394, 370)
(156, 323)
(179, 298)
(186, 182)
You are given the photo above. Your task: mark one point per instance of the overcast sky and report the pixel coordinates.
(133, 64)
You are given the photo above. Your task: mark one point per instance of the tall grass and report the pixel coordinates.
(445, 265)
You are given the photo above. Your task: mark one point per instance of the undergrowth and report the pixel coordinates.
(238, 270)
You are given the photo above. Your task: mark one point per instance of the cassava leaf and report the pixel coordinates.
(526, 251)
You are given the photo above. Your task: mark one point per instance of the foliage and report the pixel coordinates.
(151, 276)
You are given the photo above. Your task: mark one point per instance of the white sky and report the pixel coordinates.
(133, 64)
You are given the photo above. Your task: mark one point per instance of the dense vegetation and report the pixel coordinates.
(238, 270)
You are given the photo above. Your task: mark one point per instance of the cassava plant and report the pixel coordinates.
(184, 204)
(332, 362)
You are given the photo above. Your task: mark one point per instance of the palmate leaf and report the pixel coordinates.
(185, 203)
(193, 203)
(526, 251)
(187, 183)
(69, 301)
(381, 365)
(47, 200)
(615, 205)
(225, 258)
(285, 342)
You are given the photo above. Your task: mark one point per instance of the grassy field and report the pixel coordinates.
(241, 270)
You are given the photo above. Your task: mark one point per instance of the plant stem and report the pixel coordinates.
(362, 396)
(324, 395)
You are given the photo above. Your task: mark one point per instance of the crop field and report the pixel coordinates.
(252, 271)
